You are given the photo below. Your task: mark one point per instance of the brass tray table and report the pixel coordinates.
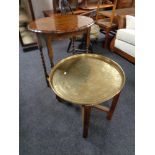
(88, 80)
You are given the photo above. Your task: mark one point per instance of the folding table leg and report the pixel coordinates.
(86, 110)
(113, 106)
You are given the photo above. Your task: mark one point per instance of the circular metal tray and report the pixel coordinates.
(87, 79)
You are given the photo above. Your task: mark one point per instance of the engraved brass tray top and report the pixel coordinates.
(87, 79)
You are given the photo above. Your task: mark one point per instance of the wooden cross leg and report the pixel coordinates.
(110, 110)
(113, 106)
(86, 110)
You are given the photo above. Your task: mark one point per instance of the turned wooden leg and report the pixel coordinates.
(86, 110)
(73, 44)
(88, 40)
(44, 66)
(43, 60)
(50, 49)
(113, 106)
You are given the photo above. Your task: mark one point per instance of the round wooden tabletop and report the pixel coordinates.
(60, 24)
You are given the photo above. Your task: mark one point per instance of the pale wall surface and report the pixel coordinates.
(40, 5)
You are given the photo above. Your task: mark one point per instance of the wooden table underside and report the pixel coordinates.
(56, 27)
(48, 39)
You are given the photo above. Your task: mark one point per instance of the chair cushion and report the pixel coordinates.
(94, 32)
(130, 22)
(126, 35)
(125, 47)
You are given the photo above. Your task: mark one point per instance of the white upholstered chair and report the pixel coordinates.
(124, 42)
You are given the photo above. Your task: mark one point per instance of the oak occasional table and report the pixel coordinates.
(59, 26)
(88, 80)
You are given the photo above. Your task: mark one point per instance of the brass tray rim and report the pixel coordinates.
(101, 57)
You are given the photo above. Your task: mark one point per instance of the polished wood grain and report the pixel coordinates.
(58, 27)
(60, 24)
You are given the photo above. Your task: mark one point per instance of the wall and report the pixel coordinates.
(40, 5)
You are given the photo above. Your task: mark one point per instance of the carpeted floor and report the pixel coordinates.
(48, 127)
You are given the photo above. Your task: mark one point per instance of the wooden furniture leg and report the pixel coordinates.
(113, 106)
(73, 44)
(44, 66)
(88, 40)
(70, 43)
(106, 38)
(50, 49)
(43, 60)
(86, 110)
